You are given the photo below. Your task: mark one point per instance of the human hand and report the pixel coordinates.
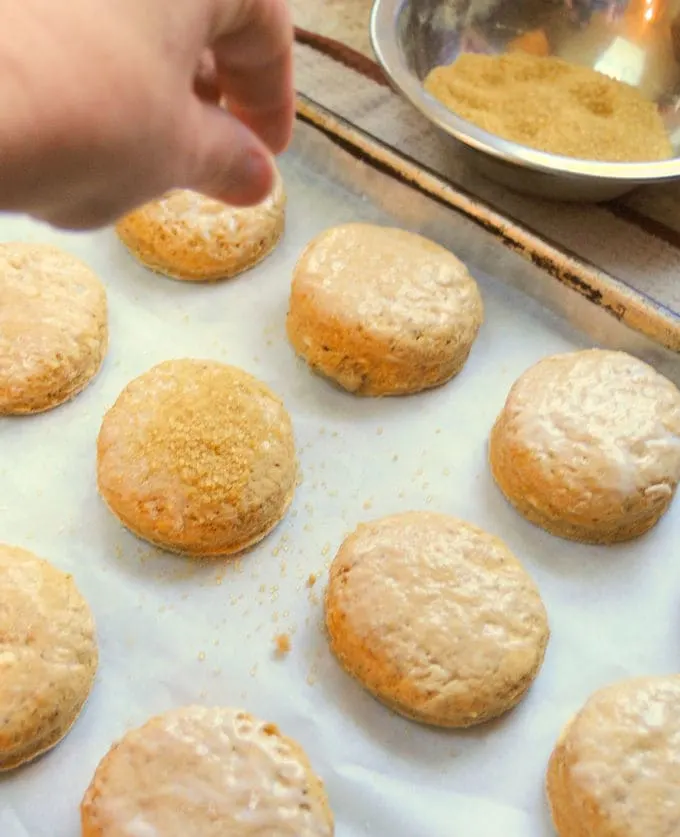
(106, 104)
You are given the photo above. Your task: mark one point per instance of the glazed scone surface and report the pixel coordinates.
(48, 655)
(616, 770)
(382, 311)
(188, 236)
(206, 772)
(197, 457)
(588, 445)
(436, 618)
(53, 327)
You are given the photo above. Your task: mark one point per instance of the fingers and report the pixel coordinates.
(226, 161)
(253, 55)
(206, 85)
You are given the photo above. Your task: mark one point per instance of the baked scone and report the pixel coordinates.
(186, 235)
(198, 458)
(198, 772)
(615, 771)
(382, 311)
(53, 327)
(48, 656)
(436, 618)
(588, 446)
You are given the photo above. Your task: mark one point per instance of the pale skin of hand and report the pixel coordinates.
(106, 104)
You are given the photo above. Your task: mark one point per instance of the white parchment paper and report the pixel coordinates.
(174, 632)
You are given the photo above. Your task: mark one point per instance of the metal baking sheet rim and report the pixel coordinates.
(613, 296)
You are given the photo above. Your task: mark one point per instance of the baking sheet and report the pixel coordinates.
(174, 632)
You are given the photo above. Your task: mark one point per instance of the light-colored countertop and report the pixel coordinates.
(343, 20)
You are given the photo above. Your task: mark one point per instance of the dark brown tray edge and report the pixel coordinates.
(612, 295)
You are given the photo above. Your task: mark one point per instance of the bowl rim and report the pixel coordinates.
(383, 33)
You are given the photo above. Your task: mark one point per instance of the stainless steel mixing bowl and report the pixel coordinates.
(636, 41)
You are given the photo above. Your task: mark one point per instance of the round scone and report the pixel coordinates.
(198, 458)
(188, 236)
(382, 311)
(615, 771)
(53, 327)
(198, 772)
(436, 618)
(588, 446)
(48, 656)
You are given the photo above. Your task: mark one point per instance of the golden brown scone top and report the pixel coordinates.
(48, 654)
(195, 449)
(206, 772)
(53, 325)
(213, 223)
(620, 760)
(431, 611)
(599, 413)
(397, 284)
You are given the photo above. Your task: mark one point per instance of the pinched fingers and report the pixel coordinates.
(252, 43)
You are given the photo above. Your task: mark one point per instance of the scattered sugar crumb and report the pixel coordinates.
(201, 657)
(311, 581)
(283, 645)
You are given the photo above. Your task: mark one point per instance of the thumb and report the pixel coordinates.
(225, 160)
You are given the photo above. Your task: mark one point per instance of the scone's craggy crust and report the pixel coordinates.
(382, 311)
(197, 457)
(188, 236)
(436, 618)
(588, 446)
(48, 656)
(198, 772)
(53, 327)
(616, 770)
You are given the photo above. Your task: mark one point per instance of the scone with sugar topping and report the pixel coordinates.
(48, 655)
(206, 772)
(382, 311)
(197, 457)
(436, 618)
(588, 446)
(53, 327)
(188, 236)
(615, 772)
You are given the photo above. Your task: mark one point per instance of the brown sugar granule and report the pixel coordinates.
(283, 645)
(554, 106)
(311, 581)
